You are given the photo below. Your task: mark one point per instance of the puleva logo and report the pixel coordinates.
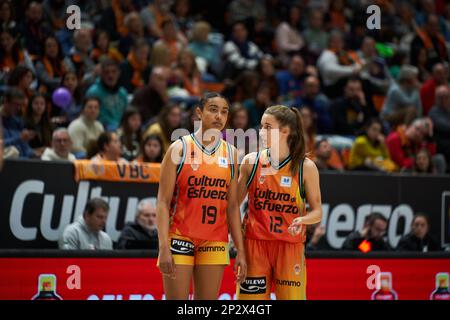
(253, 285)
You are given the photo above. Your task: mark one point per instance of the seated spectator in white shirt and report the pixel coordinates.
(61, 145)
(86, 233)
(86, 128)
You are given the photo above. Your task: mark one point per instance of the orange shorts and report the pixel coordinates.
(277, 263)
(192, 251)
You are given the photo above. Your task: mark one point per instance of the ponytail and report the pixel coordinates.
(296, 142)
(292, 118)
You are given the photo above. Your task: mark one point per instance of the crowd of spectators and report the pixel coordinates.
(137, 68)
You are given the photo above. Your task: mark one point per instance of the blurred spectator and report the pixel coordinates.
(64, 116)
(309, 130)
(182, 17)
(79, 59)
(136, 68)
(326, 157)
(151, 99)
(422, 65)
(406, 141)
(336, 16)
(316, 239)
(160, 56)
(267, 77)
(135, 30)
(426, 7)
(154, 15)
(405, 24)
(369, 152)
(336, 65)
(240, 53)
(113, 19)
(290, 81)
(423, 163)
(428, 89)
(103, 48)
(375, 71)
(169, 120)
(204, 49)
(429, 38)
(313, 98)
(239, 120)
(351, 111)
(256, 107)
(61, 145)
(315, 36)
(399, 59)
(55, 12)
(130, 133)
(372, 234)
(50, 68)
(7, 17)
(37, 119)
(151, 150)
(142, 233)
(243, 88)
(170, 39)
(191, 121)
(402, 104)
(287, 37)
(21, 77)
(86, 129)
(108, 148)
(14, 132)
(246, 10)
(440, 115)
(87, 233)
(113, 97)
(419, 239)
(34, 29)
(11, 55)
(187, 73)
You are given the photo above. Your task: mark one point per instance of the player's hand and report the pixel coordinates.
(240, 267)
(296, 226)
(166, 263)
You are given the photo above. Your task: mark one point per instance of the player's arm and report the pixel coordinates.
(312, 189)
(167, 181)
(244, 175)
(234, 222)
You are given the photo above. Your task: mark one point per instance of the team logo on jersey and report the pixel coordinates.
(297, 269)
(286, 181)
(255, 285)
(182, 247)
(195, 166)
(262, 178)
(223, 162)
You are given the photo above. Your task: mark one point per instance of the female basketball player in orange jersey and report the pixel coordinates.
(278, 180)
(197, 201)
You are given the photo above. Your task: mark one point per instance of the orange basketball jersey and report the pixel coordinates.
(275, 199)
(200, 201)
